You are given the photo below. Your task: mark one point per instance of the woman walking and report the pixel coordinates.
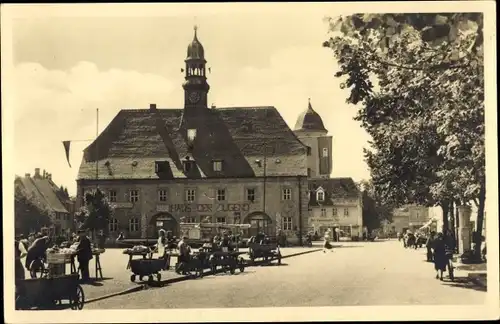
(327, 245)
(440, 259)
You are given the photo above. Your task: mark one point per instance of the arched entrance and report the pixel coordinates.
(259, 222)
(164, 221)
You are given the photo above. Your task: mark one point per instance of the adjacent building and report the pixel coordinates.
(410, 217)
(160, 167)
(48, 195)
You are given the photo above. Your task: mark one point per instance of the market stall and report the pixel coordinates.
(58, 258)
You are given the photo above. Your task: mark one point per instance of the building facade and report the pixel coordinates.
(48, 196)
(336, 203)
(162, 167)
(410, 217)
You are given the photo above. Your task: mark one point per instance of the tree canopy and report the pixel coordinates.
(96, 212)
(418, 82)
(373, 213)
(29, 214)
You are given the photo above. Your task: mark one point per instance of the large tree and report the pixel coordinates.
(95, 214)
(29, 214)
(418, 81)
(373, 212)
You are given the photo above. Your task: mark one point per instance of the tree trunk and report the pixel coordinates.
(445, 207)
(480, 220)
(452, 218)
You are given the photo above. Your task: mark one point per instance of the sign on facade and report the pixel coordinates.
(203, 208)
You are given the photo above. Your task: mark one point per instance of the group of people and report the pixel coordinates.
(411, 240)
(34, 249)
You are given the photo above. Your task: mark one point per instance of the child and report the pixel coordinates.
(326, 244)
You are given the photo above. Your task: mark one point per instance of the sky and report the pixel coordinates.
(67, 65)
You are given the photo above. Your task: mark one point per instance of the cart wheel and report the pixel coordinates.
(158, 276)
(232, 270)
(150, 279)
(78, 299)
(242, 268)
(132, 278)
(141, 278)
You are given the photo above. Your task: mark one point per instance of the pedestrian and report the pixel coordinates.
(36, 252)
(327, 245)
(161, 248)
(84, 254)
(184, 256)
(19, 253)
(429, 245)
(440, 259)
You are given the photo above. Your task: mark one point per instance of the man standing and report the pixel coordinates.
(84, 254)
(428, 245)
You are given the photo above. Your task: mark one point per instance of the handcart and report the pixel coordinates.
(228, 261)
(267, 252)
(46, 293)
(147, 268)
(198, 262)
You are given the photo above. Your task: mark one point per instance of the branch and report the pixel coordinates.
(441, 66)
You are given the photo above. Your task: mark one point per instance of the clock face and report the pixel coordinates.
(194, 97)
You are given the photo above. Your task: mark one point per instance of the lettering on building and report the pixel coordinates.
(203, 208)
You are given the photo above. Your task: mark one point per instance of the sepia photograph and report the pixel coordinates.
(199, 162)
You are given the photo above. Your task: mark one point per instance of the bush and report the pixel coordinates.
(468, 257)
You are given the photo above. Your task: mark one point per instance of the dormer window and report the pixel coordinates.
(188, 164)
(217, 165)
(191, 134)
(320, 195)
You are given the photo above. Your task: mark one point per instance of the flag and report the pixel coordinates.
(66, 149)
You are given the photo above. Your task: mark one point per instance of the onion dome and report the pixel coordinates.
(310, 120)
(195, 50)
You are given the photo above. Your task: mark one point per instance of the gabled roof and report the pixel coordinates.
(44, 190)
(238, 136)
(334, 188)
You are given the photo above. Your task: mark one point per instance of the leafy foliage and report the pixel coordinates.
(374, 213)
(96, 212)
(419, 82)
(29, 214)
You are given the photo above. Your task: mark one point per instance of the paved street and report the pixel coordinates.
(373, 273)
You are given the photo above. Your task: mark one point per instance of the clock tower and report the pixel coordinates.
(195, 87)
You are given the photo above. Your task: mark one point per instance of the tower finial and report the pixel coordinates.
(195, 29)
(309, 103)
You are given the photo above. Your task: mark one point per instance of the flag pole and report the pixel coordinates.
(97, 149)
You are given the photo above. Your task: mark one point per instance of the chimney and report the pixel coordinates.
(49, 176)
(37, 172)
(152, 107)
(27, 175)
(44, 174)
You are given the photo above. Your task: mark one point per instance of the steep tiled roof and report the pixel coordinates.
(335, 188)
(135, 139)
(45, 192)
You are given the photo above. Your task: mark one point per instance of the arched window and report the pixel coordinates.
(133, 225)
(113, 225)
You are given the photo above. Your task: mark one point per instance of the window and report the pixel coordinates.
(134, 195)
(308, 150)
(346, 211)
(345, 231)
(112, 195)
(323, 212)
(320, 195)
(188, 166)
(251, 194)
(287, 194)
(190, 195)
(308, 172)
(325, 152)
(133, 225)
(191, 134)
(113, 225)
(162, 195)
(58, 216)
(221, 194)
(287, 223)
(221, 220)
(190, 219)
(217, 166)
(334, 211)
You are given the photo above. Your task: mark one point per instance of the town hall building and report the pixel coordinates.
(161, 167)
